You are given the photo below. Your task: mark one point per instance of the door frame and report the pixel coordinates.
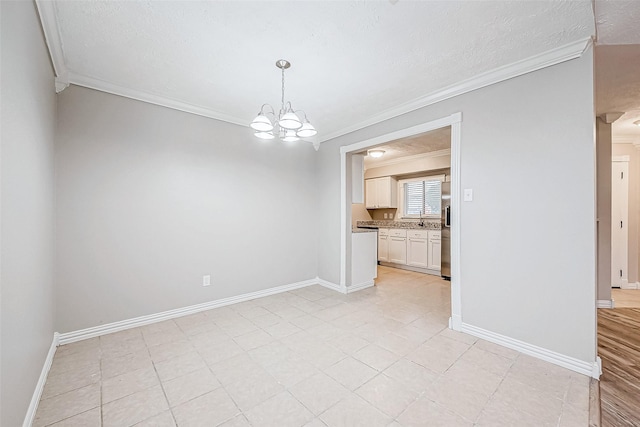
(453, 120)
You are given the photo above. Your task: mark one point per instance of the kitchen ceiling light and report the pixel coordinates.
(287, 120)
(637, 123)
(375, 153)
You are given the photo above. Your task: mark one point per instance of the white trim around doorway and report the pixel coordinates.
(455, 121)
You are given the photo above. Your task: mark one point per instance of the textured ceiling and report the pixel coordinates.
(351, 60)
(618, 88)
(618, 21)
(618, 65)
(436, 140)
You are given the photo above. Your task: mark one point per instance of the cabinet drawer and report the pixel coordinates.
(397, 233)
(434, 235)
(417, 234)
(383, 231)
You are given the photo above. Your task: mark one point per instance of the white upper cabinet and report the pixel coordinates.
(381, 193)
(357, 178)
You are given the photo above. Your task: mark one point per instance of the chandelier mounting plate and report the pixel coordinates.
(283, 64)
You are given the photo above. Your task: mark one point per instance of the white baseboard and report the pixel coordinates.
(604, 303)
(455, 322)
(597, 368)
(83, 334)
(591, 369)
(331, 285)
(360, 286)
(37, 393)
(627, 285)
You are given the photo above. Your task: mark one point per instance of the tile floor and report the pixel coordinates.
(311, 357)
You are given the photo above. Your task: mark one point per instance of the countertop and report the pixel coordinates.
(430, 224)
(363, 230)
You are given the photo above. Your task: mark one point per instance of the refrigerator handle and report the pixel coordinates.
(447, 216)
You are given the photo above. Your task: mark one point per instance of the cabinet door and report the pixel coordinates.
(371, 193)
(384, 193)
(398, 250)
(387, 192)
(434, 254)
(417, 252)
(383, 248)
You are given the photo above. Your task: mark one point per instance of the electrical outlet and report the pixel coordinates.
(390, 216)
(206, 280)
(385, 215)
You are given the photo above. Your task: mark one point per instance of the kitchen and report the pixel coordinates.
(400, 207)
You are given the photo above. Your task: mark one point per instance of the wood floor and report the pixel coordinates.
(619, 348)
(627, 298)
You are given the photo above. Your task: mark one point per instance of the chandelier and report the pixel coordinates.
(287, 125)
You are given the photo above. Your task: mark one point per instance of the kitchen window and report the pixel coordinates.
(421, 197)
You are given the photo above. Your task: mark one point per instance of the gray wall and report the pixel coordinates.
(528, 238)
(151, 199)
(27, 197)
(603, 182)
(328, 204)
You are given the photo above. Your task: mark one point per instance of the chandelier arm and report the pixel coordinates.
(303, 113)
(267, 105)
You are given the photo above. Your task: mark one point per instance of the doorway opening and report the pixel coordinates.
(346, 179)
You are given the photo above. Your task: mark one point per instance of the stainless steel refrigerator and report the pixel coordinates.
(445, 232)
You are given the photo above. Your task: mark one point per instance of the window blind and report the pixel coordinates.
(422, 197)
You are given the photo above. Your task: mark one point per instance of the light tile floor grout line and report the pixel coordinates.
(404, 344)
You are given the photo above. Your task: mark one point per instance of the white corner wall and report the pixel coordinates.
(28, 114)
(150, 199)
(528, 238)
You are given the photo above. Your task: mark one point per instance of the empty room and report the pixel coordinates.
(284, 213)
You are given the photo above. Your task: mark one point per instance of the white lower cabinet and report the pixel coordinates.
(434, 250)
(415, 248)
(383, 244)
(418, 248)
(398, 246)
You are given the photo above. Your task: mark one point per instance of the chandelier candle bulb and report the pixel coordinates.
(289, 125)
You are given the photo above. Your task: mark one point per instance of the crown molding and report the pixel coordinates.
(414, 157)
(103, 86)
(610, 117)
(49, 19)
(546, 59)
